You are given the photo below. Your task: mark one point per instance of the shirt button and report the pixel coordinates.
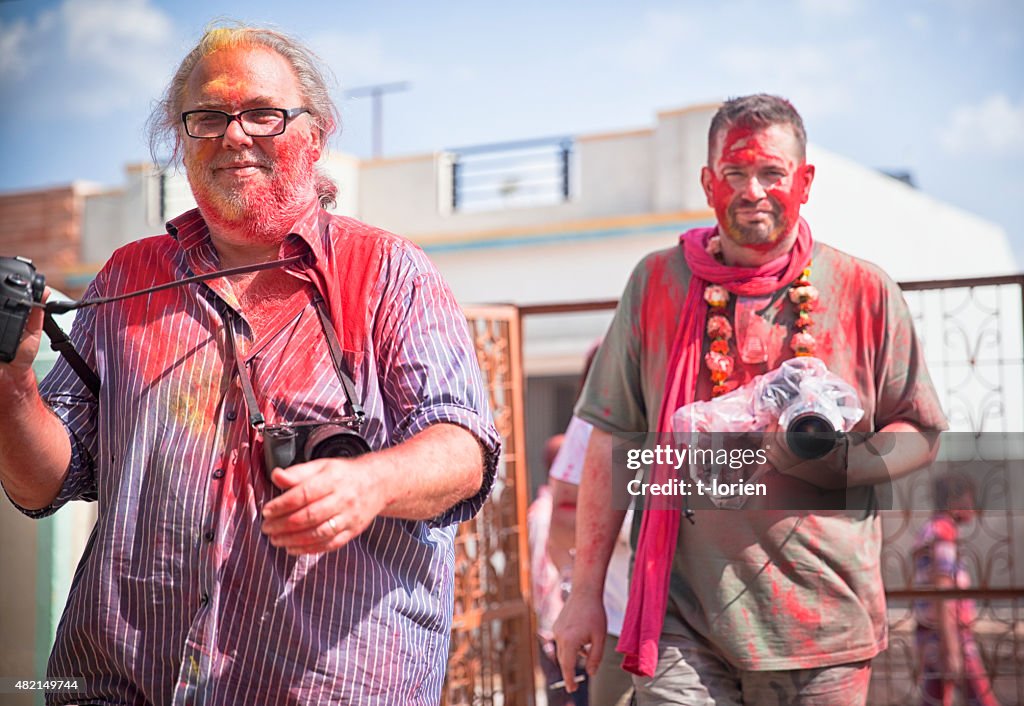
(205, 598)
(231, 415)
(219, 473)
(208, 535)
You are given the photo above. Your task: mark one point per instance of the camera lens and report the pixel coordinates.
(810, 435)
(335, 441)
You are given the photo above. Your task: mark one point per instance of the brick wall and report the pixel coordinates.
(44, 226)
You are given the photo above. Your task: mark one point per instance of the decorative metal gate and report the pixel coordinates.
(972, 331)
(493, 649)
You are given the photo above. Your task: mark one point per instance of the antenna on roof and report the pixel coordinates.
(377, 92)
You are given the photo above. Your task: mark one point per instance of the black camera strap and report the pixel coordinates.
(64, 307)
(339, 367)
(60, 342)
(255, 416)
(256, 419)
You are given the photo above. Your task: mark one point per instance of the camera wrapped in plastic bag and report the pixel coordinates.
(813, 406)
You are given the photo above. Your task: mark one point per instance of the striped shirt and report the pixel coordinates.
(179, 598)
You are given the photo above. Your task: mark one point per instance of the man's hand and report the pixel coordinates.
(16, 374)
(827, 472)
(35, 450)
(895, 450)
(581, 623)
(325, 504)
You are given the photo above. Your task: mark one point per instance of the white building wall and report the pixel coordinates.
(910, 234)
(141, 216)
(102, 232)
(616, 173)
(681, 144)
(612, 175)
(344, 169)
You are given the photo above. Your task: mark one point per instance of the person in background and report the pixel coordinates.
(610, 685)
(550, 572)
(946, 648)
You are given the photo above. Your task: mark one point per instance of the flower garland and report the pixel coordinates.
(718, 360)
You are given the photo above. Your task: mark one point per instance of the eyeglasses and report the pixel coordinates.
(257, 122)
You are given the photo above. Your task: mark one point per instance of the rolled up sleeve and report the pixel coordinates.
(429, 368)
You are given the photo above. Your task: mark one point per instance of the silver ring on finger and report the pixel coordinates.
(332, 525)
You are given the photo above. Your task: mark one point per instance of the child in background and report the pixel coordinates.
(945, 640)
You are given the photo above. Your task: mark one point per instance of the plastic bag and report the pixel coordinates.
(800, 391)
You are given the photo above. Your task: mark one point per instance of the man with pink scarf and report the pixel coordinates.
(755, 606)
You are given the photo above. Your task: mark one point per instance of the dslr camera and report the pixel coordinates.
(813, 406)
(20, 286)
(288, 444)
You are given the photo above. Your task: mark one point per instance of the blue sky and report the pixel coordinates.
(927, 86)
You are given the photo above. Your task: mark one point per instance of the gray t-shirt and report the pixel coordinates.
(773, 590)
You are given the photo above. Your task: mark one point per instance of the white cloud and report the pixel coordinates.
(107, 32)
(993, 127)
(88, 57)
(14, 62)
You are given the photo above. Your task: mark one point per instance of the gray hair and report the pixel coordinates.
(164, 125)
(757, 111)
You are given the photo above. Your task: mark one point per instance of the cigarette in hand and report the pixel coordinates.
(561, 683)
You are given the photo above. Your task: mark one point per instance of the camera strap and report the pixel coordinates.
(256, 419)
(64, 307)
(339, 367)
(60, 342)
(255, 416)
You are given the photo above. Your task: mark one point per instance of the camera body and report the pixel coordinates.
(285, 445)
(20, 285)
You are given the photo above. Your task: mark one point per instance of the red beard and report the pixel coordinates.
(263, 207)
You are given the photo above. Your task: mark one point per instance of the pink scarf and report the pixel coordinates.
(659, 531)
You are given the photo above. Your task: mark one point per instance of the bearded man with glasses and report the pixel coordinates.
(213, 575)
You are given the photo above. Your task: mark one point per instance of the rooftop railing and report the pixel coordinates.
(511, 174)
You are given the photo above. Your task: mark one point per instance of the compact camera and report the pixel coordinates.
(20, 285)
(288, 444)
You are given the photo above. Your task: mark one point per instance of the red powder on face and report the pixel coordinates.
(263, 205)
(254, 187)
(757, 178)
